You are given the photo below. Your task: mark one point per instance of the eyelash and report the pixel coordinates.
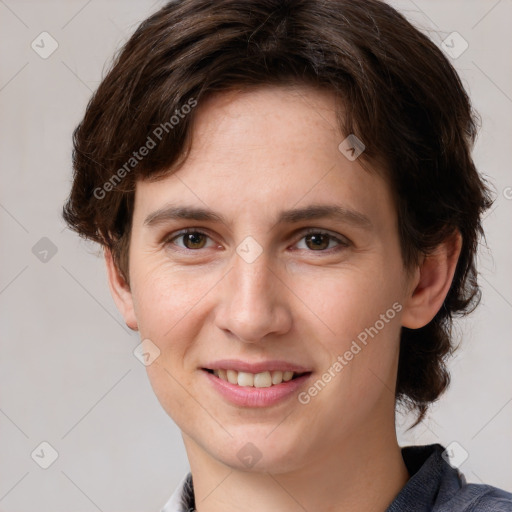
(342, 243)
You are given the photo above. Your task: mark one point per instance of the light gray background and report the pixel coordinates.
(68, 375)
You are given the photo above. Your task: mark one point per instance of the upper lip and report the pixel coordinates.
(262, 366)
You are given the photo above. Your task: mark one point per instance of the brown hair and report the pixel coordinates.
(400, 95)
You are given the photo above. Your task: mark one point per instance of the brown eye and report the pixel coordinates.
(194, 240)
(320, 241)
(317, 241)
(190, 240)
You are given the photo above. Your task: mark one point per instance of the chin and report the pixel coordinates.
(262, 451)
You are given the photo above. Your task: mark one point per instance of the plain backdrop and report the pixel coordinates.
(68, 374)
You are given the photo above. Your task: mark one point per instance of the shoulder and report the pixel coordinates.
(477, 498)
(436, 486)
(485, 498)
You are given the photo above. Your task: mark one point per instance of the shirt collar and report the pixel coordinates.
(431, 481)
(182, 499)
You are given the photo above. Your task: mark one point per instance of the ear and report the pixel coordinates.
(120, 291)
(432, 282)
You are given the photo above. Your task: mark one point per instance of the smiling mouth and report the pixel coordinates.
(258, 380)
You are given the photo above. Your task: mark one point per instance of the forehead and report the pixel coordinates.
(281, 122)
(265, 150)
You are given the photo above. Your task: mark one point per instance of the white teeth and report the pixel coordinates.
(287, 376)
(257, 380)
(245, 379)
(232, 376)
(262, 380)
(277, 377)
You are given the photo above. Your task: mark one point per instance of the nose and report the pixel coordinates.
(253, 301)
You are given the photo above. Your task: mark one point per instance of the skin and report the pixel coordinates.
(253, 155)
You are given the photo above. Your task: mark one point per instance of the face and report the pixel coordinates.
(293, 260)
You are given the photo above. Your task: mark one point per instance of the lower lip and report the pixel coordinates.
(249, 396)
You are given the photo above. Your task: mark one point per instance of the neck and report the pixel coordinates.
(363, 473)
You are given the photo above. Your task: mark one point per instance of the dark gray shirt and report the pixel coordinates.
(434, 486)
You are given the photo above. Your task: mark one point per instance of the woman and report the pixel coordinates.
(290, 212)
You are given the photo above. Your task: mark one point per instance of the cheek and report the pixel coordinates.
(167, 304)
(347, 301)
(165, 299)
(359, 351)
(357, 314)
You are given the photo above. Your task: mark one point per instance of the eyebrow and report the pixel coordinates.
(312, 212)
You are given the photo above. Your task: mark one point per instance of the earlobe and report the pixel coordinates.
(432, 282)
(120, 291)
